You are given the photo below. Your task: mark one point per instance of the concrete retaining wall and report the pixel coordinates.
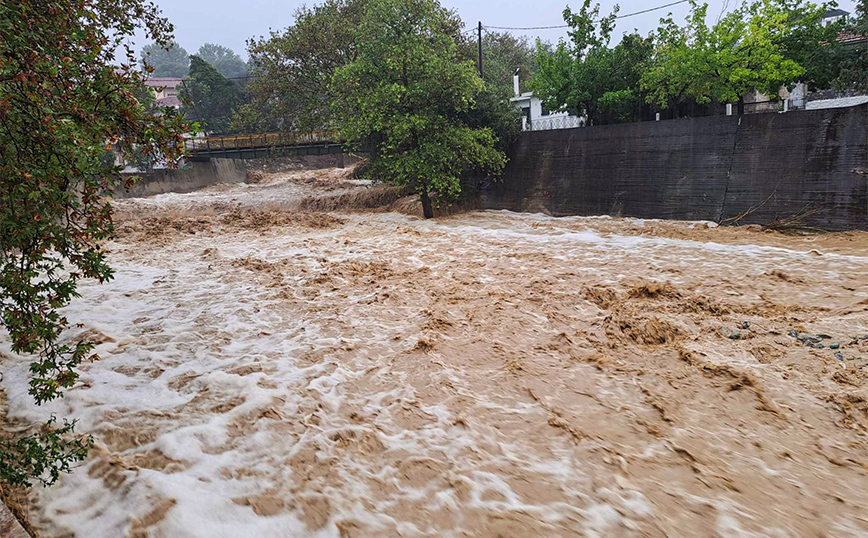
(199, 174)
(776, 165)
(190, 177)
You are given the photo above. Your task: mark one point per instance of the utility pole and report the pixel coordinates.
(479, 47)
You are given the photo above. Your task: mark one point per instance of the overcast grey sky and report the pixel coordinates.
(231, 23)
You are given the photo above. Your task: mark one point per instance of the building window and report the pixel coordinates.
(545, 111)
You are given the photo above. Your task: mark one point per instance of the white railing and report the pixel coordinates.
(556, 122)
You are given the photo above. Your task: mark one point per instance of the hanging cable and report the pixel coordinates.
(567, 25)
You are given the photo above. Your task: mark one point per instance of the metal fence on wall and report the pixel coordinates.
(682, 111)
(558, 122)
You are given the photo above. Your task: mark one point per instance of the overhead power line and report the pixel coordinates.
(526, 27)
(649, 10)
(664, 6)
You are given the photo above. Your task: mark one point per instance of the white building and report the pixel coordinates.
(835, 15)
(535, 117)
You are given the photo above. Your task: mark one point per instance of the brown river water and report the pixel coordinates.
(272, 372)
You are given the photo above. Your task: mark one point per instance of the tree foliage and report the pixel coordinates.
(41, 456)
(750, 48)
(403, 97)
(167, 60)
(208, 97)
(585, 75)
(492, 110)
(854, 67)
(65, 96)
(224, 60)
(292, 69)
(502, 54)
(760, 45)
(813, 46)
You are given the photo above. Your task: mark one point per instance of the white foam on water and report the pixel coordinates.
(205, 365)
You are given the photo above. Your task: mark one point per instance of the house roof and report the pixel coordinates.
(171, 100)
(835, 13)
(164, 82)
(837, 103)
(850, 38)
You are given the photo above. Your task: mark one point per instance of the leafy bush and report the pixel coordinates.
(65, 98)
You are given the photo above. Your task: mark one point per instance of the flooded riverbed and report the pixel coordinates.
(268, 372)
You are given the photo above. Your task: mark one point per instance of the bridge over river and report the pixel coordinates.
(258, 146)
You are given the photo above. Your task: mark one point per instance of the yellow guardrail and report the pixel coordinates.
(211, 143)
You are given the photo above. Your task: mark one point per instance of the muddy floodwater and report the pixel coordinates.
(275, 363)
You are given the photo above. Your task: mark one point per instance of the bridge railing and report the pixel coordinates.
(265, 140)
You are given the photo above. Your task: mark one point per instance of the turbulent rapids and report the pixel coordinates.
(302, 356)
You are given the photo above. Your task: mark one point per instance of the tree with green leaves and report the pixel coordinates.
(65, 95)
(585, 75)
(208, 97)
(749, 48)
(166, 59)
(854, 67)
(224, 60)
(292, 69)
(568, 78)
(813, 45)
(620, 78)
(502, 54)
(402, 99)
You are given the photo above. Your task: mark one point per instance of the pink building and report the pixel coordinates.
(166, 90)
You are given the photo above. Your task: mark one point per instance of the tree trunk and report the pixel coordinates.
(427, 210)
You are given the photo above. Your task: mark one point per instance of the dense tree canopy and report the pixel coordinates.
(167, 60)
(65, 96)
(854, 67)
(403, 97)
(759, 45)
(747, 49)
(224, 60)
(502, 54)
(584, 75)
(208, 97)
(292, 68)
(814, 46)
